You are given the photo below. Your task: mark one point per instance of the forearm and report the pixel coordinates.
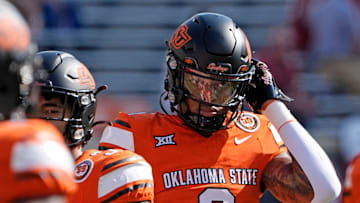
(285, 179)
(307, 152)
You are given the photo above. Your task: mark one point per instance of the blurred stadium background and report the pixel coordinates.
(122, 42)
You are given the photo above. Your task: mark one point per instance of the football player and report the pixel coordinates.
(352, 182)
(212, 150)
(35, 164)
(68, 100)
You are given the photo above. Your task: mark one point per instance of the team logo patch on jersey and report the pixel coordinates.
(83, 170)
(248, 122)
(165, 140)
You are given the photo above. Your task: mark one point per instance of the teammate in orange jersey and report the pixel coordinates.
(212, 150)
(68, 99)
(352, 182)
(35, 164)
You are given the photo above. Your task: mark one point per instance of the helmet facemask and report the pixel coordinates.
(210, 90)
(78, 112)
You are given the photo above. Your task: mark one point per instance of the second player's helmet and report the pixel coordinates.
(209, 61)
(72, 81)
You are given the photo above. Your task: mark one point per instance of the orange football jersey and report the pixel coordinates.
(113, 175)
(188, 167)
(34, 161)
(351, 192)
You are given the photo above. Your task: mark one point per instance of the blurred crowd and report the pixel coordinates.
(47, 14)
(327, 35)
(321, 37)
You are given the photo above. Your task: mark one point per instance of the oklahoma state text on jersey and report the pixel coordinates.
(34, 161)
(188, 167)
(113, 175)
(352, 182)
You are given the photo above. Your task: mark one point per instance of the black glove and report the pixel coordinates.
(263, 87)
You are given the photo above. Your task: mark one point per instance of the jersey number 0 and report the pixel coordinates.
(216, 195)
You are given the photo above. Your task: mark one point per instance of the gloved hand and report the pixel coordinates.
(263, 87)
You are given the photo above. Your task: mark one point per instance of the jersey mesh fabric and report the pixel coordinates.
(188, 167)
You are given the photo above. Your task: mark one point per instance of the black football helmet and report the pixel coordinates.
(209, 61)
(16, 71)
(72, 81)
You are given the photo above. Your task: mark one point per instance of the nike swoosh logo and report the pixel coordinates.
(241, 140)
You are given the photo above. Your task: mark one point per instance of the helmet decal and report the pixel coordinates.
(189, 61)
(180, 37)
(86, 79)
(214, 67)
